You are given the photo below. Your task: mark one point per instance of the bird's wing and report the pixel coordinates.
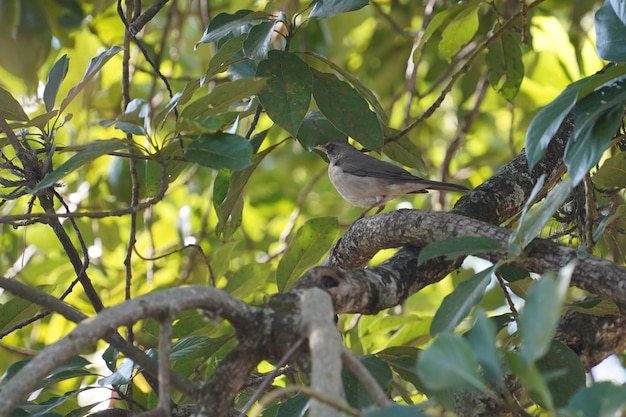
(363, 165)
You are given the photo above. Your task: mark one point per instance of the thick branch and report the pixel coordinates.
(89, 331)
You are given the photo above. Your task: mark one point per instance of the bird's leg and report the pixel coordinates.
(367, 210)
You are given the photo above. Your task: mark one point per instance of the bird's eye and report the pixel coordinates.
(330, 147)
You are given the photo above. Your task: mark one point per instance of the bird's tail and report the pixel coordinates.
(444, 186)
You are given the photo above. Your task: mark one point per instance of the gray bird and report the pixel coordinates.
(365, 181)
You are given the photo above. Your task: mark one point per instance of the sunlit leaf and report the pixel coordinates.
(449, 364)
(220, 150)
(457, 305)
(506, 69)
(459, 32)
(10, 108)
(225, 23)
(310, 243)
(454, 247)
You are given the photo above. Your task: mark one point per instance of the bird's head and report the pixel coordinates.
(335, 149)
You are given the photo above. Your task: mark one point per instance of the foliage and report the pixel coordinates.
(196, 169)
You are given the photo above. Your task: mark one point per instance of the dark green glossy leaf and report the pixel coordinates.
(323, 9)
(347, 110)
(563, 371)
(457, 305)
(287, 95)
(316, 129)
(225, 54)
(454, 247)
(310, 243)
(90, 152)
(224, 23)
(531, 379)
(356, 394)
(449, 364)
(257, 44)
(610, 32)
(407, 153)
(55, 78)
(110, 356)
(220, 150)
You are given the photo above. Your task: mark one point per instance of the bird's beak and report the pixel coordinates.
(320, 148)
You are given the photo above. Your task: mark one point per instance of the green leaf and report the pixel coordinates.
(612, 173)
(459, 32)
(449, 364)
(396, 410)
(316, 129)
(365, 92)
(531, 379)
(222, 97)
(599, 400)
(610, 32)
(245, 281)
(347, 110)
(596, 119)
(110, 356)
(55, 78)
(226, 53)
(229, 210)
(220, 150)
(506, 69)
(457, 305)
(92, 69)
(454, 247)
(324, 9)
(224, 23)
(482, 339)
(122, 376)
(257, 44)
(407, 153)
(563, 371)
(287, 95)
(541, 313)
(512, 274)
(596, 306)
(15, 311)
(90, 152)
(531, 222)
(306, 248)
(356, 394)
(10, 108)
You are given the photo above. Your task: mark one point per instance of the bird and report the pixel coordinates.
(365, 181)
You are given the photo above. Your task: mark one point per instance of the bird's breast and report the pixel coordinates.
(357, 190)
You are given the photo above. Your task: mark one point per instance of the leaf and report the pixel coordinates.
(506, 69)
(92, 69)
(90, 152)
(531, 223)
(224, 23)
(531, 379)
(407, 153)
(122, 376)
(482, 339)
(224, 54)
(287, 94)
(356, 394)
(460, 32)
(306, 248)
(316, 129)
(563, 371)
(610, 32)
(454, 247)
(15, 311)
(601, 399)
(10, 108)
(55, 78)
(324, 9)
(220, 150)
(365, 92)
(257, 43)
(222, 97)
(245, 281)
(347, 110)
(612, 173)
(540, 315)
(596, 119)
(457, 305)
(596, 306)
(449, 364)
